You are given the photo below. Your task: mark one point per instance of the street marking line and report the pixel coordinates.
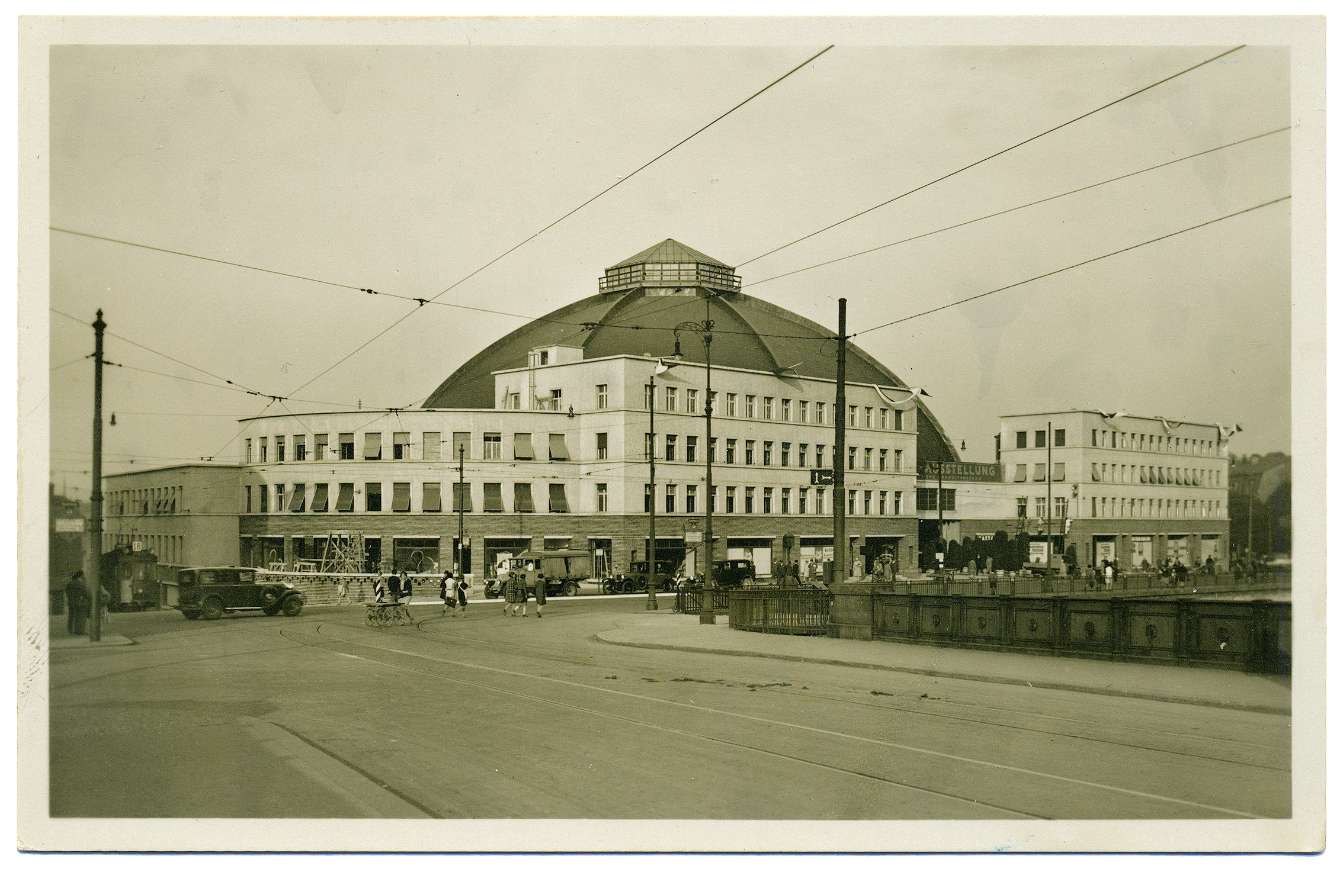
(824, 732)
(691, 735)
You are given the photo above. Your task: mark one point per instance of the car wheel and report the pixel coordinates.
(191, 616)
(292, 606)
(212, 608)
(571, 589)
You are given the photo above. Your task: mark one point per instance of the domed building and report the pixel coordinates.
(541, 441)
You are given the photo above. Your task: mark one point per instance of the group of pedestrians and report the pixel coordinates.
(519, 587)
(392, 588)
(452, 591)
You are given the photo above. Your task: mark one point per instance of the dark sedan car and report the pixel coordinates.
(210, 591)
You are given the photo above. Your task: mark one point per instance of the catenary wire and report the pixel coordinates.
(992, 156)
(1068, 267)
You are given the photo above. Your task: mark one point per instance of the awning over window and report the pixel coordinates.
(521, 447)
(320, 497)
(346, 498)
(460, 498)
(460, 441)
(1020, 472)
(558, 447)
(400, 496)
(372, 446)
(493, 496)
(1058, 472)
(1095, 475)
(558, 498)
(1144, 475)
(299, 498)
(432, 446)
(522, 501)
(432, 496)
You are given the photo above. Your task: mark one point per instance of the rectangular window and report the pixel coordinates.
(512, 400)
(602, 497)
(280, 445)
(522, 449)
(298, 501)
(690, 449)
(786, 454)
(671, 440)
(321, 498)
(264, 445)
(1039, 438)
(767, 454)
(372, 446)
(246, 499)
(460, 446)
(521, 497)
(691, 498)
(767, 408)
(897, 460)
(767, 501)
(1058, 438)
(865, 503)
(1040, 506)
(851, 502)
(558, 498)
(750, 406)
(786, 501)
(373, 497)
(346, 446)
(691, 401)
(712, 449)
(671, 399)
(786, 410)
(730, 500)
(492, 451)
(819, 456)
(264, 495)
(869, 421)
(602, 446)
(803, 456)
(1093, 438)
(648, 396)
(866, 456)
(819, 412)
(1039, 472)
(883, 502)
(749, 501)
(432, 496)
(883, 421)
(851, 457)
(730, 450)
(602, 396)
(950, 499)
(804, 411)
(897, 502)
(1021, 439)
(299, 447)
(246, 452)
(897, 419)
(851, 416)
(1058, 472)
(802, 500)
(670, 491)
(345, 501)
(558, 446)
(400, 496)
(432, 447)
(748, 452)
(927, 500)
(648, 445)
(1021, 507)
(820, 501)
(730, 405)
(400, 446)
(646, 498)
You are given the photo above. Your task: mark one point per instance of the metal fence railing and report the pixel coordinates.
(689, 601)
(1141, 583)
(798, 612)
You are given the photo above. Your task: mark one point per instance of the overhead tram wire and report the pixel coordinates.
(1072, 266)
(1048, 199)
(567, 214)
(993, 155)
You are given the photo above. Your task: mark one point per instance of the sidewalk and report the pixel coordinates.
(61, 640)
(1223, 688)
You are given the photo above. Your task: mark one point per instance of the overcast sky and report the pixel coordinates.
(403, 169)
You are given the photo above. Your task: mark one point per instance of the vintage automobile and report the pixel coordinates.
(210, 591)
(563, 571)
(635, 579)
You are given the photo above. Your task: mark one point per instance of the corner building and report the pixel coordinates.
(549, 427)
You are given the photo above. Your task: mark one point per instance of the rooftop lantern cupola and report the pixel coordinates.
(669, 265)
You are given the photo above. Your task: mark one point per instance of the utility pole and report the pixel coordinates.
(707, 613)
(460, 513)
(651, 499)
(95, 501)
(1049, 495)
(840, 451)
(940, 507)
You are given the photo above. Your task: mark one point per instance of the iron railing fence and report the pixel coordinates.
(689, 601)
(792, 611)
(1125, 583)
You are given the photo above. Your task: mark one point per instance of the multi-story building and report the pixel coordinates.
(542, 440)
(1119, 487)
(185, 514)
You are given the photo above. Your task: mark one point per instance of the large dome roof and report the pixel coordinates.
(641, 301)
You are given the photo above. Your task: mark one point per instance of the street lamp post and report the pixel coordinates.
(706, 613)
(651, 499)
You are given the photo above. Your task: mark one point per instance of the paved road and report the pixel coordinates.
(492, 717)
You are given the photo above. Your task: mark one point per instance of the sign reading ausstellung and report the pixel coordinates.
(958, 471)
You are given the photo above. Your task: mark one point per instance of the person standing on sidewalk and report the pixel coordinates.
(406, 586)
(446, 589)
(461, 585)
(1109, 574)
(76, 603)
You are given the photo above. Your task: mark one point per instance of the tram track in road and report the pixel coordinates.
(324, 639)
(551, 654)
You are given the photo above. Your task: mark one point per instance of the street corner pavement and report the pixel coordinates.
(60, 639)
(1166, 683)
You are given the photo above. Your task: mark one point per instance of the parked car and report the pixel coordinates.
(562, 571)
(210, 591)
(636, 578)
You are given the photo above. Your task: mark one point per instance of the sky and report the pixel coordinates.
(406, 168)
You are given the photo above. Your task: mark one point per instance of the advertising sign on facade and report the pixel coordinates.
(1037, 552)
(957, 471)
(69, 525)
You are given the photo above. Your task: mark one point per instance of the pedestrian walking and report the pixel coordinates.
(393, 587)
(1109, 574)
(446, 589)
(342, 590)
(535, 581)
(76, 603)
(516, 592)
(406, 586)
(461, 585)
